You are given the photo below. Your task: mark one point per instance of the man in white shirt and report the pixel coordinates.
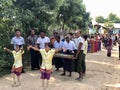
(84, 54)
(42, 40)
(79, 55)
(18, 39)
(68, 48)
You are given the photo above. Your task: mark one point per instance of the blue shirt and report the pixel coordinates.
(58, 44)
(17, 41)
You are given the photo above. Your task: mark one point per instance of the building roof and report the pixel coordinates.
(116, 25)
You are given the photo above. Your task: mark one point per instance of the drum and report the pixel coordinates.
(64, 56)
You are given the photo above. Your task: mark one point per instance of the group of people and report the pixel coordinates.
(109, 41)
(42, 51)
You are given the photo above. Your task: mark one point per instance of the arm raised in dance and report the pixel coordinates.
(8, 50)
(58, 50)
(34, 48)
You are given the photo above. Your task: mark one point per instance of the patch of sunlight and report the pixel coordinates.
(52, 79)
(113, 85)
(97, 62)
(9, 78)
(115, 55)
(117, 67)
(33, 75)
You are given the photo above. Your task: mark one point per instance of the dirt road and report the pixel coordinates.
(103, 73)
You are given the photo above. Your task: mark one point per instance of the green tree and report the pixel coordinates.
(72, 13)
(100, 19)
(113, 18)
(6, 25)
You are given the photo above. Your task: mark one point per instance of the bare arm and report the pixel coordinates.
(79, 48)
(57, 50)
(34, 48)
(8, 50)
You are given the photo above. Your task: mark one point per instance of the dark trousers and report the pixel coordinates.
(83, 64)
(34, 59)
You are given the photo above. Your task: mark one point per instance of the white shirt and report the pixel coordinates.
(42, 41)
(58, 44)
(78, 41)
(69, 46)
(86, 47)
(17, 41)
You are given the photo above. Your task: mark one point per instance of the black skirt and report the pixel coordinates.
(58, 62)
(68, 64)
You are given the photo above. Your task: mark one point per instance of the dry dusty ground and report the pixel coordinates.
(103, 73)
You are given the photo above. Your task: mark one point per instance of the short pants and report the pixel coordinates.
(17, 71)
(45, 74)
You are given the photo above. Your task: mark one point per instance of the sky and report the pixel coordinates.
(102, 7)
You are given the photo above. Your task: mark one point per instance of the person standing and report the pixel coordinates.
(79, 55)
(41, 41)
(31, 40)
(119, 45)
(58, 61)
(18, 40)
(68, 64)
(109, 45)
(84, 54)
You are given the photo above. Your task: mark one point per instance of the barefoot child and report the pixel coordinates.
(46, 67)
(17, 66)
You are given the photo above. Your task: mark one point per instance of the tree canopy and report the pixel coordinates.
(111, 18)
(38, 14)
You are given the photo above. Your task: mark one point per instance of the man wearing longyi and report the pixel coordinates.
(68, 63)
(79, 54)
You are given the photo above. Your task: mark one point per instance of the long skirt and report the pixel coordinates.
(84, 64)
(58, 62)
(89, 47)
(68, 64)
(92, 46)
(109, 48)
(119, 52)
(78, 62)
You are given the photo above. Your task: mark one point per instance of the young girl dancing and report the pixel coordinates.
(17, 66)
(46, 67)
